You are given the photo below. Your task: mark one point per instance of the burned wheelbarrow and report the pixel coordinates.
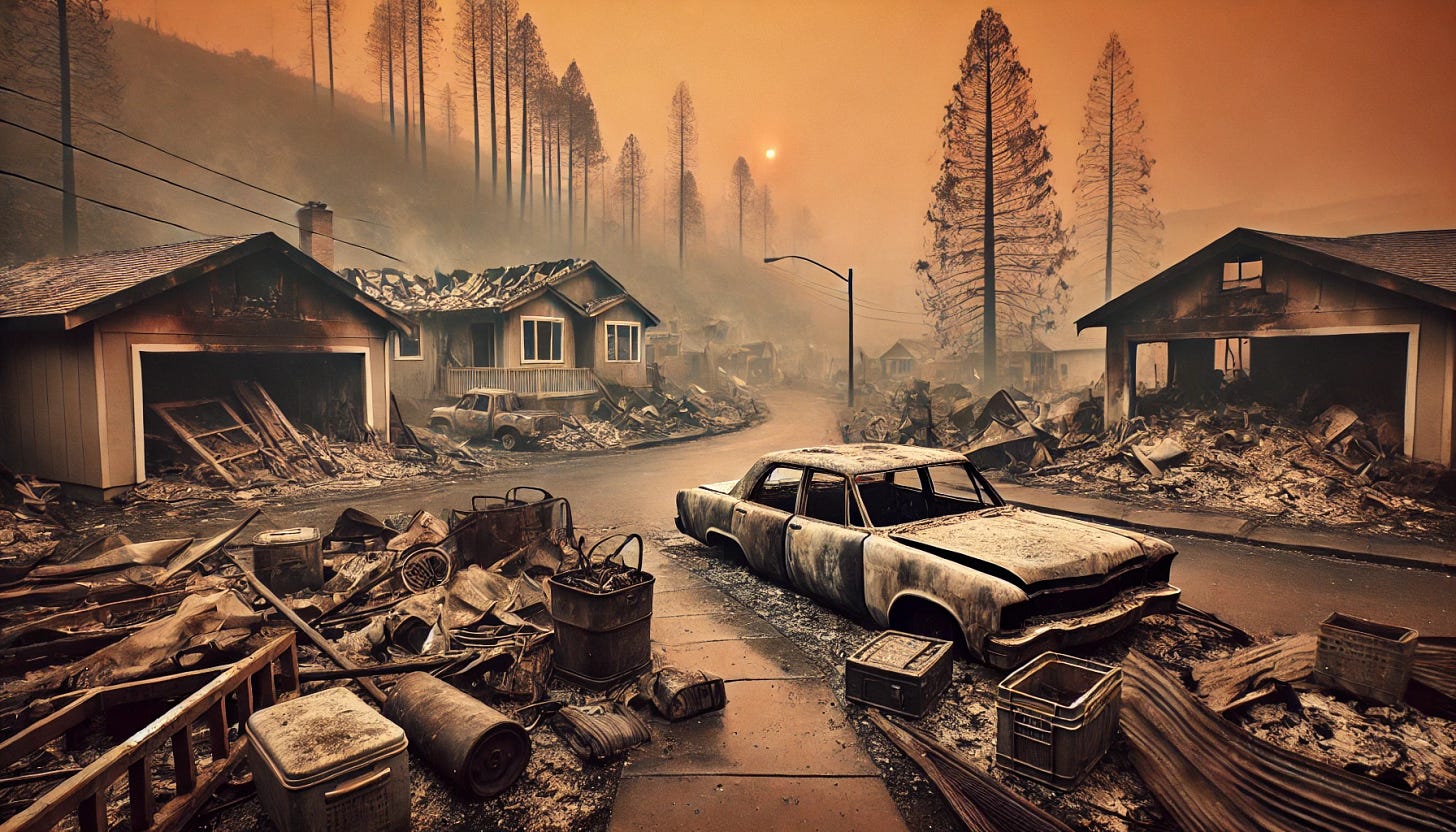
(495, 527)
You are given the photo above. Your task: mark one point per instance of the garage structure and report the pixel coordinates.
(1367, 321)
(89, 343)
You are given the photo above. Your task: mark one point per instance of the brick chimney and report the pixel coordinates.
(316, 233)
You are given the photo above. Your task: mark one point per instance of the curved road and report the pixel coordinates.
(1260, 589)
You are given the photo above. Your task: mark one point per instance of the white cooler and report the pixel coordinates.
(327, 762)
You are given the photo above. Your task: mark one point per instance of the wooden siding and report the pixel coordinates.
(627, 374)
(48, 421)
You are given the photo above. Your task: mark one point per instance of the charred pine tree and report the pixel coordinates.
(330, 6)
(1115, 209)
(682, 145)
(529, 60)
(573, 103)
(591, 156)
(500, 17)
(740, 184)
(427, 36)
(997, 241)
(469, 46)
(379, 46)
(631, 188)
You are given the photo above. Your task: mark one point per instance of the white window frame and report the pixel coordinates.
(633, 342)
(395, 337)
(561, 322)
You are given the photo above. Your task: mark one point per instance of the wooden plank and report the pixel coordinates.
(91, 815)
(217, 729)
(174, 815)
(71, 401)
(163, 411)
(37, 734)
(184, 760)
(48, 809)
(271, 420)
(1250, 674)
(139, 792)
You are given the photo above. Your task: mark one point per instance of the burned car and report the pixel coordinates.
(490, 413)
(916, 539)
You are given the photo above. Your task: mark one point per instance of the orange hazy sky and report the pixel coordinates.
(1331, 117)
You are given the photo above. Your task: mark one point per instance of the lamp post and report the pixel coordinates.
(849, 282)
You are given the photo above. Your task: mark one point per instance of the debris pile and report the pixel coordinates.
(625, 416)
(1337, 468)
(462, 607)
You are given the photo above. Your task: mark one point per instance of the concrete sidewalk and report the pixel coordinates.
(781, 756)
(1389, 549)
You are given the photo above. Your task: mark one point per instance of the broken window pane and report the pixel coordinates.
(1242, 275)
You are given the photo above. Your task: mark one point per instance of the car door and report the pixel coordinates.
(759, 520)
(824, 545)
(479, 416)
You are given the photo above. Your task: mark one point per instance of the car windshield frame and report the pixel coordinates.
(926, 483)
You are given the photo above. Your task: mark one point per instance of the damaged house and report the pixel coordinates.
(551, 332)
(1368, 322)
(93, 348)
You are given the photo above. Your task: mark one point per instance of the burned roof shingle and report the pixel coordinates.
(1425, 256)
(460, 290)
(58, 285)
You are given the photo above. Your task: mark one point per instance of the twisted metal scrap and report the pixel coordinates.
(1211, 776)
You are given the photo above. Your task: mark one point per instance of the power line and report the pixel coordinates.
(191, 189)
(118, 131)
(58, 189)
(867, 304)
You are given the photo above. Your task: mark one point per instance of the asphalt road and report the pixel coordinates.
(1263, 590)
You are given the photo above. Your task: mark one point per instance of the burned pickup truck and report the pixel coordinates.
(916, 539)
(490, 413)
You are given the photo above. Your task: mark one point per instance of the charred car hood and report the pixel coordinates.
(1028, 548)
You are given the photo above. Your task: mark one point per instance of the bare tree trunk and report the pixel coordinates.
(682, 166)
(1111, 130)
(494, 130)
(506, 48)
(420, 68)
(70, 229)
(329, 46)
(389, 60)
(525, 123)
(404, 72)
(570, 176)
(988, 318)
(312, 60)
(585, 194)
(475, 94)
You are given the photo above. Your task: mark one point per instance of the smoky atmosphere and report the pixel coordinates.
(552, 416)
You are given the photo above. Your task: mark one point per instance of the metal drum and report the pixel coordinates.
(469, 743)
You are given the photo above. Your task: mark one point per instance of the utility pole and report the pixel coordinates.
(69, 231)
(849, 283)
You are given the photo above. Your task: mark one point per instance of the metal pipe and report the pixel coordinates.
(313, 635)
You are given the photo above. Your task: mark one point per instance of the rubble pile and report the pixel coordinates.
(366, 604)
(1338, 468)
(28, 527)
(665, 411)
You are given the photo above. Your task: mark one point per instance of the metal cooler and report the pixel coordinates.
(327, 762)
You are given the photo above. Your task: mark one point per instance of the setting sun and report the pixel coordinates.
(770, 153)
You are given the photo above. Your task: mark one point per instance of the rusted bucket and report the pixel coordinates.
(469, 743)
(603, 634)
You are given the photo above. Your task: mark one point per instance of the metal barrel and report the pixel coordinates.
(469, 743)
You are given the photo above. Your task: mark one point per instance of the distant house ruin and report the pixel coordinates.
(1366, 321)
(550, 330)
(907, 358)
(91, 344)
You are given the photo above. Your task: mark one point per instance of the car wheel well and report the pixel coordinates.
(440, 424)
(922, 616)
(509, 437)
(727, 546)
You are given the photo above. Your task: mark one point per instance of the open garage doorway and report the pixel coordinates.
(326, 391)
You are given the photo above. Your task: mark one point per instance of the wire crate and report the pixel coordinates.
(1370, 660)
(1055, 718)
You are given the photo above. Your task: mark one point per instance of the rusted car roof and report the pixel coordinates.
(863, 458)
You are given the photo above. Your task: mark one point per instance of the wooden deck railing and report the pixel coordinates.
(525, 381)
(258, 681)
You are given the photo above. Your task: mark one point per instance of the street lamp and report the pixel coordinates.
(849, 281)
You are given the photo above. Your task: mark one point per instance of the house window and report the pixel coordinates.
(541, 340)
(624, 341)
(1243, 275)
(407, 348)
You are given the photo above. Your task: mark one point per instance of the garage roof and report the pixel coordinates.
(66, 292)
(1420, 264)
